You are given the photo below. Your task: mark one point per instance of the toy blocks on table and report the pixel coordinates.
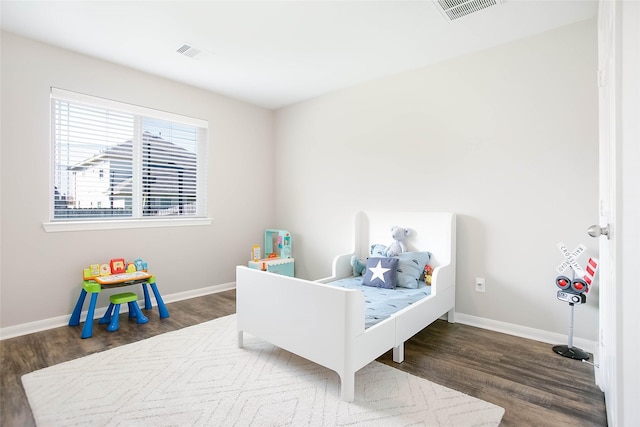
(116, 266)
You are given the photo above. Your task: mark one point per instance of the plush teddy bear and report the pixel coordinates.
(378, 250)
(397, 246)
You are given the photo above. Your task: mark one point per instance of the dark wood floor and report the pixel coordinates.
(534, 385)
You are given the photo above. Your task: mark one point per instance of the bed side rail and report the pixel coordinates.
(310, 319)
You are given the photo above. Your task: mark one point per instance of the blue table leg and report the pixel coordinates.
(147, 299)
(87, 330)
(137, 313)
(107, 315)
(75, 316)
(113, 325)
(162, 309)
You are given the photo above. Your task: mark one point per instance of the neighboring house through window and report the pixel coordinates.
(114, 161)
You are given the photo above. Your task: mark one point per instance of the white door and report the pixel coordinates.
(619, 293)
(605, 377)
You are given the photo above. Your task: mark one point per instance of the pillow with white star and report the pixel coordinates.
(381, 273)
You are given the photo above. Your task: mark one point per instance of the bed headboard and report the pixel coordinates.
(434, 232)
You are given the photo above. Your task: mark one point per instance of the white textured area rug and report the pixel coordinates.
(198, 376)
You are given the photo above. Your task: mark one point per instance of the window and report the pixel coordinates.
(114, 161)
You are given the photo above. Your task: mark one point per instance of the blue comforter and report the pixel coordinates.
(381, 303)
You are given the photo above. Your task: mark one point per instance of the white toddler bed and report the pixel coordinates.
(325, 324)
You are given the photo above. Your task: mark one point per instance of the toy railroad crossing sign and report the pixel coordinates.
(571, 259)
(573, 290)
(582, 279)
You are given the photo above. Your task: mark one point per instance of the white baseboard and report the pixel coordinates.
(525, 332)
(479, 322)
(56, 322)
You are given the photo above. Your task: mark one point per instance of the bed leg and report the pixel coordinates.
(451, 316)
(348, 385)
(398, 353)
(240, 342)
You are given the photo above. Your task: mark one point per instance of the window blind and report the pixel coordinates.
(111, 162)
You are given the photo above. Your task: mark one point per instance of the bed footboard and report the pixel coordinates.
(313, 320)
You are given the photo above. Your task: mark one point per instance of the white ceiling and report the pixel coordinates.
(276, 53)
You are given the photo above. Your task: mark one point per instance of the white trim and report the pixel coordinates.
(525, 332)
(180, 296)
(67, 95)
(52, 227)
(56, 322)
(465, 319)
(203, 169)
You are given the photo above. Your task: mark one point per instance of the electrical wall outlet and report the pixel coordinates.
(480, 286)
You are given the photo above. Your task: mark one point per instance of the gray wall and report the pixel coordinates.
(507, 138)
(41, 272)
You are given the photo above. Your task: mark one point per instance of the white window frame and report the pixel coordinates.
(56, 225)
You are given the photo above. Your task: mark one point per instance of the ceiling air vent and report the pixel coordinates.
(454, 9)
(187, 50)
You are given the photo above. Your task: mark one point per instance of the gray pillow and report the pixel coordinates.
(381, 273)
(410, 268)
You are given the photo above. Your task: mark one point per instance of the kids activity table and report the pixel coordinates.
(96, 285)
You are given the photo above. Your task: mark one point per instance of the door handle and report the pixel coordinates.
(597, 231)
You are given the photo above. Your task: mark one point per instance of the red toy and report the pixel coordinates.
(428, 272)
(118, 266)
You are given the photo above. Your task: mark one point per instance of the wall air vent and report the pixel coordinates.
(454, 9)
(187, 50)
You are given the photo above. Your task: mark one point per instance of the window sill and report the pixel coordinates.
(52, 227)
